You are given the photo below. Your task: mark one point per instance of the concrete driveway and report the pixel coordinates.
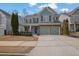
(56, 45)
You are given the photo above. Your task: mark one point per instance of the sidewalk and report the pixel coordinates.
(18, 43)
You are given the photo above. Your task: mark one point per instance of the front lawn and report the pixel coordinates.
(16, 49)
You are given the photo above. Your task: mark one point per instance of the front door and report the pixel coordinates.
(36, 30)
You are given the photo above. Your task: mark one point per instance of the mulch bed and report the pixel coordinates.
(15, 49)
(18, 38)
(74, 35)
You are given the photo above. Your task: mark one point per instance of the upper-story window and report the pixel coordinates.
(35, 20)
(50, 18)
(42, 18)
(30, 20)
(55, 19)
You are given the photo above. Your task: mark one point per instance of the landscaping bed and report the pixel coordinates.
(76, 34)
(18, 38)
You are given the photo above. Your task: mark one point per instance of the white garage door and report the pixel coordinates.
(49, 30)
(55, 30)
(44, 30)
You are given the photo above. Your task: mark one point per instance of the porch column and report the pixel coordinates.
(74, 28)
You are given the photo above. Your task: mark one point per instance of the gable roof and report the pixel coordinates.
(49, 9)
(4, 12)
(45, 8)
(73, 11)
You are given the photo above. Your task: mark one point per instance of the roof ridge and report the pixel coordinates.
(52, 9)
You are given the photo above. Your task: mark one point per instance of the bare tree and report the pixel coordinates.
(25, 13)
(15, 11)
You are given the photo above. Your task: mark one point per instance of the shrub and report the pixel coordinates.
(25, 33)
(14, 23)
(65, 27)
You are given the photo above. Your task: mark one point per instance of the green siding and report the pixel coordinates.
(45, 12)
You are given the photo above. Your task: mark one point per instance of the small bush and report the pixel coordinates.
(25, 33)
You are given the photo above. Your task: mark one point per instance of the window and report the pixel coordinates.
(49, 18)
(30, 20)
(35, 20)
(55, 19)
(41, 18)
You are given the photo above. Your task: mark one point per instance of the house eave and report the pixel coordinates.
(38, 24)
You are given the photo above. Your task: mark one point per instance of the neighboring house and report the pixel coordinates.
(21, 24)
(44, 22)
(64, 16)
(3, 18)
(5, 23)
(73, 18)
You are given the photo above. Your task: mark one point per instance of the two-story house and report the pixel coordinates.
(44, 22)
